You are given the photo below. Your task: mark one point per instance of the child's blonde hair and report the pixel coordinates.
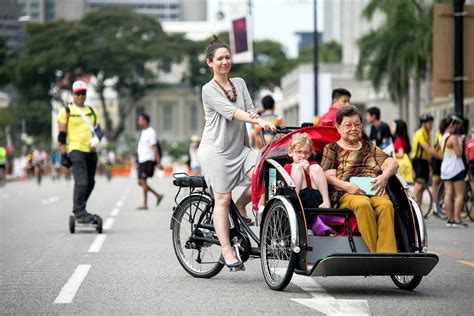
(299, 139)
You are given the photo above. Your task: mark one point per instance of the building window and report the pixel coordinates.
(168, 118)
(34, 5)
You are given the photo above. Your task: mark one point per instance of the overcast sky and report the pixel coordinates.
(273, 19)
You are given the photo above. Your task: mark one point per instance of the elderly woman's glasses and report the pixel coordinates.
(349, 126)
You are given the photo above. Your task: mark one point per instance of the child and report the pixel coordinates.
(308, 176)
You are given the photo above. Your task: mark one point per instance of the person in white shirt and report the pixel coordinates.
(148, 157)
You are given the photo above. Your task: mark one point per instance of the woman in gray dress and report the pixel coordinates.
(224, 153)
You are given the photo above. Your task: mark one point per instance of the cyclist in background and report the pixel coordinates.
(421, 153)
(268, 114)
(436, 167)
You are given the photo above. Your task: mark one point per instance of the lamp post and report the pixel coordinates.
(458, 57)
(315, 57)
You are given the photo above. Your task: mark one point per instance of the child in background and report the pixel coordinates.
(308, 176)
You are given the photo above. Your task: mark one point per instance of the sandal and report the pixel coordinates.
(233, 267)
(142, 208)
(158, 200)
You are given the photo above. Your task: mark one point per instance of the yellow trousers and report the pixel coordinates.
(374, 219)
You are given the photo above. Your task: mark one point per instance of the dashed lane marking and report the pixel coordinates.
(108, 223)
(71, 287)
(119, 204)
(323, 302)
(465, 262)
(115, 212)
(50, 200)
(97, 243)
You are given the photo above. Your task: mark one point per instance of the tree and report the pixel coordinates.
(330, 52)
(121, 44)
(398, 50)
(110, 43)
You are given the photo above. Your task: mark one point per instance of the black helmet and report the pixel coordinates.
(426, 118)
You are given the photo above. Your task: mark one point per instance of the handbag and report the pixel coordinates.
(405, 168)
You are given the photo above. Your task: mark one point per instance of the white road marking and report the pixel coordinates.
(97, 243)
(114, 212)
(323, 302)
(50, 200)
(119, 204)
(108, 223)
(72, 285)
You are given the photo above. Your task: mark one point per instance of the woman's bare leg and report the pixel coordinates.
(221, 224)
(459, 187)
(448, 199)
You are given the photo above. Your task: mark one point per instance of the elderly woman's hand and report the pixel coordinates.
(353, 188)
(380, 183)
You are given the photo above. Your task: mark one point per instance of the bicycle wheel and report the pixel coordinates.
(277, 259)
(467, 206)
(406, 282)
(198, 258)
(426, 202)
(440, 202)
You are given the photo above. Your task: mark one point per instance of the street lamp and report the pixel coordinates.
(315, 58)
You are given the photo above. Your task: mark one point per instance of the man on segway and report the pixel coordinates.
(79, 135)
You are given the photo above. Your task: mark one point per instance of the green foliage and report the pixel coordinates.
(330, 52)
(177, 150)
(399, 48)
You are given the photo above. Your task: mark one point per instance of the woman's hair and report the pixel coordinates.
(401, 131)
(299, 139)
(214, 44)
(443, 124)
(347, 111)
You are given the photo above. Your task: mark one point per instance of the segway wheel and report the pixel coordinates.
(98, 227)
(72, 224)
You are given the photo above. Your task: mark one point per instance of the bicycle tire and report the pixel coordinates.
(199, 259)
(467, 206)
(426, 208)
(278, 261)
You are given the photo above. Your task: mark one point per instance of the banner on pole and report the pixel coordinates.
(241, 43)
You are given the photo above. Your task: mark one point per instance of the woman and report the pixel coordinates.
(401, 142)
(353, 156)
(453, 171)
(224, 153)
(402, 148)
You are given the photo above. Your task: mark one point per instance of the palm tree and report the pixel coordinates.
(400, 49)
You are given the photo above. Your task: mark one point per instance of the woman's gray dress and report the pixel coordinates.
(224, 153)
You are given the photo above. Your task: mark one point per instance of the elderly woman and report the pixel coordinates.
(352, 156)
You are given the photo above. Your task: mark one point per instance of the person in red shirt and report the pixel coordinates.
(308, 176)
(340, 97)
(469, 145)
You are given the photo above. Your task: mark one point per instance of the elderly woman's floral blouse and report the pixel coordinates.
(365, 162)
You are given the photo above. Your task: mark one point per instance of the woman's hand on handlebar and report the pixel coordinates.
(266, 126)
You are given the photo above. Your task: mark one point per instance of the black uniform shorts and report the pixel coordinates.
(422, 170)
(146, 169)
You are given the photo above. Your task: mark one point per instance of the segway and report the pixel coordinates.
(95, 223)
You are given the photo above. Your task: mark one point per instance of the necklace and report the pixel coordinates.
(234, 91)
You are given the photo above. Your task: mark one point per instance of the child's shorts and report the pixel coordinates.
(310, 197)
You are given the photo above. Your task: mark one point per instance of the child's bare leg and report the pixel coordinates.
(318, 181)
(298, 177)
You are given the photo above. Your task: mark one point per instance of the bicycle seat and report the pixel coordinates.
(190, 181)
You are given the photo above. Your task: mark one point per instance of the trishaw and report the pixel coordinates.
(284, 242)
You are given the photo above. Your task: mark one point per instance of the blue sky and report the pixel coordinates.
(273, 19)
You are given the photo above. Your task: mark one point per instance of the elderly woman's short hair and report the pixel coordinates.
(347, 111)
